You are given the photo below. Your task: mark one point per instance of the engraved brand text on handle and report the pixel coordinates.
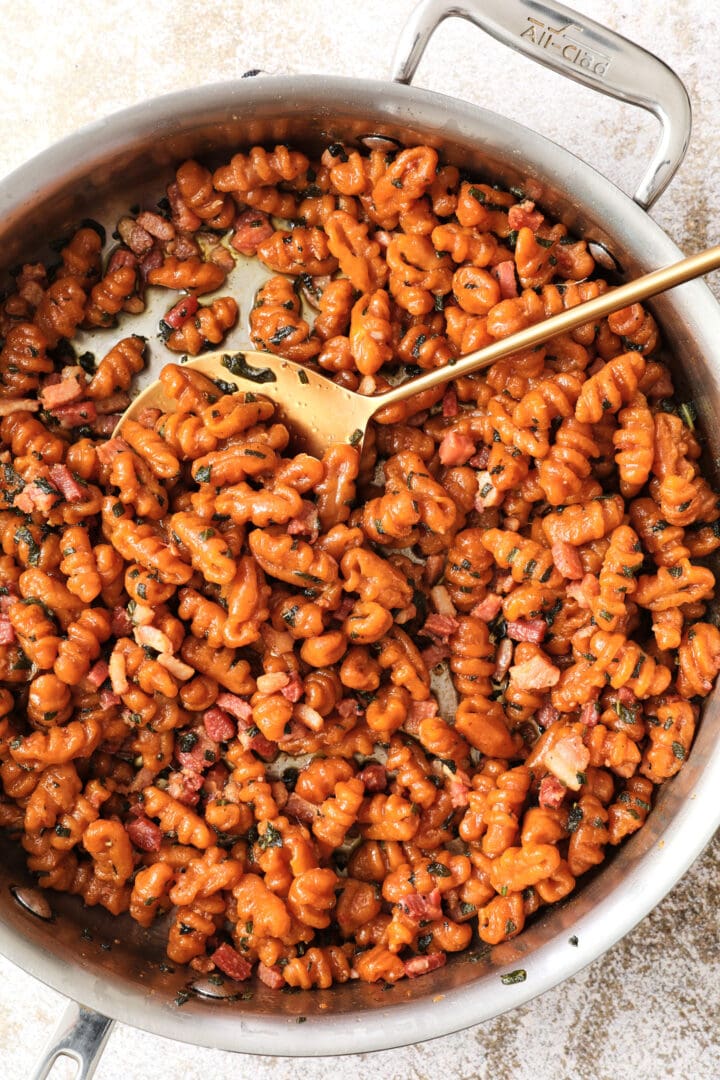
(562, 40)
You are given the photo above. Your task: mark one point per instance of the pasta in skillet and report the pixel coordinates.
(217, 654)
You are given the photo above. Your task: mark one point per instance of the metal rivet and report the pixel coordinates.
(604, 257)
(209, 988)
(33, 901)
(380, 142)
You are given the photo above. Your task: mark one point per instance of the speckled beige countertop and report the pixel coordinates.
(650, 1008)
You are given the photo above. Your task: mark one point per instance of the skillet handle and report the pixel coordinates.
(581, 49)
(80, 1035)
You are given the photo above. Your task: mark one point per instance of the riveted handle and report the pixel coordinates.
(80, 1036)
(583, 50)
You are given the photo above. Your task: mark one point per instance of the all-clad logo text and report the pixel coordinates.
(563, 40)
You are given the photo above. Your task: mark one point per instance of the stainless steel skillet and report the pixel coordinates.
(101, 171)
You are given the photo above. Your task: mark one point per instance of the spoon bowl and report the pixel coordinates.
(320, 413)
(317, 410)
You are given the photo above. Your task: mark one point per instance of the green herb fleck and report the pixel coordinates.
(24, 536)
(270, 838)
(226, 387)
(424, 942)
(87, 362)
(307, 577)
(187, 742)
(575, 816)
(437, 869)
(512, 977)
(237, 364)
(688, 414)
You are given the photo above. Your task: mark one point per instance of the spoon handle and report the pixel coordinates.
(648, 285)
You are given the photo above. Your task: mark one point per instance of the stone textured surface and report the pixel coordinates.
(651, 1007)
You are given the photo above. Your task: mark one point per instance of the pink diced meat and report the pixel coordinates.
(503, 659)
(458, 792)
(505, 273)
(231, 963)
(488, 608)
(219, 725)
(584, 591)
(420, 965)
(236, 706)
(524, 216)
(98, 674)
(185, 786)
(66, 483)
(374, 777)
(75, 415)
(184, 309)
(546, 715)
(435, 654)
(144, 833)
(294, 688)
(250, 229)
(551, 793)
(301, 809)
(271, 976)
(419, 906)
(538, 673)
(203, 753)
(527, 630)
(450, 405)
(567, 560)
(439, 628)
(590, 714)
(62, 392)
(456, 449)
(33, 497)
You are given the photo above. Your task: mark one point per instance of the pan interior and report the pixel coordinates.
(111, 963)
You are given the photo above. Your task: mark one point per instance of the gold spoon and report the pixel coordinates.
(320, 413)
